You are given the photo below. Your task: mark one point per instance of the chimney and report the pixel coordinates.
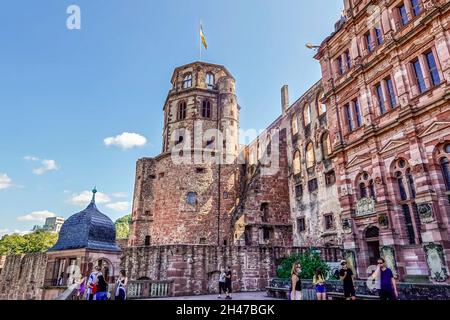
(284, 98)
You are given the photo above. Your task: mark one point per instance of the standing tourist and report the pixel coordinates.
(296, 283)
(319, 283)
(121, 289)
(81, 288)
(92, 283)
(222, 287)
(387, 284)
(102, 288)
(347, 276)
(228, 283)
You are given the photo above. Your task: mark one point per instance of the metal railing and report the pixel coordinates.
(141, 289)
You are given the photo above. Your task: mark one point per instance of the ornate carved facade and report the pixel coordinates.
(386, 73)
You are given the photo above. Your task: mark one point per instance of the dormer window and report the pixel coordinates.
(187, 81)
(210, 81)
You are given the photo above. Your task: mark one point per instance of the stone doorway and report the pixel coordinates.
(373, 245)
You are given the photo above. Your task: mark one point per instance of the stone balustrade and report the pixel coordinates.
(140, 289)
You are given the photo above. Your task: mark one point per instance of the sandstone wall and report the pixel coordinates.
(195, 269)
(22, 277)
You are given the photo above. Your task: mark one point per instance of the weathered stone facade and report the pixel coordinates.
(22, 277)
(202, 160)
(187, 194)
(386, 73)
(312, 183)
(194, 269)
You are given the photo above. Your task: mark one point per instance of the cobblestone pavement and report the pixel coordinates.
(236, 296)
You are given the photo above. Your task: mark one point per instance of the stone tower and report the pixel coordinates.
(186, 195)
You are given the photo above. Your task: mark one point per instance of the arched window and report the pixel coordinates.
(210, 80)
(307, 114)
(206, 109)
(362, 190)
(445, 167)
(310, 157)
(366, 186)
(187, 81)
(405, 180)
(191, 198)
(321, 106)
(297, 163)
(269, 145)
(182, 111)
(326, 146)
(406, 195)
(294, 124)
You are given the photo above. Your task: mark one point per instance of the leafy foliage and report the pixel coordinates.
(39, 241)
(123, 227)
(310, 261)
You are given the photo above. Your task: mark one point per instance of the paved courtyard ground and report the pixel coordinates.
(236, 296)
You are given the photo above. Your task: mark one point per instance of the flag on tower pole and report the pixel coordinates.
(202, 40)
(202, 37)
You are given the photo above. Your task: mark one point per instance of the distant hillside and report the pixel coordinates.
(123, 227)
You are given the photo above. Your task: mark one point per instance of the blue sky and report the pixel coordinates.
(64, 91)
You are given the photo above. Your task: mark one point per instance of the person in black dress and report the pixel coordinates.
(347, 276)
(228, 283)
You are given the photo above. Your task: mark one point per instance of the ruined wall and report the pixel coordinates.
(195, 269)
(162, 210)
(22, 277)
(265, 213)
(312, 182)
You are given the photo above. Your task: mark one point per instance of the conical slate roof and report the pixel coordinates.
(89, 229)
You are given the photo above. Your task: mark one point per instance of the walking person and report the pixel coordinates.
(121, 289)
(222, 287)
(347, 276)
(296, 283)
(102, 288)
(319, 283)
(92, 283)
(387, 284)
(228, 283)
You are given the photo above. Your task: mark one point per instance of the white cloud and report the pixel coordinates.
(119, 195)
(126, 140)
(83, 198)
(37, 216)
(5, 181)
(119, 206)
(31, 158)
(47, 165)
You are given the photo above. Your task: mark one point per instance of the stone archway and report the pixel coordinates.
(213, 282)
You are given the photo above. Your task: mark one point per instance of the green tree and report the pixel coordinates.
(123, 227)
(309, 260)
(39, 241)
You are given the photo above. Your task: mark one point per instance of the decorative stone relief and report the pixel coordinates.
(346, 226)
(425, 211)
(388, 254)
(365, 206)
(436, 262)
(350, 257)
(383, 221)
